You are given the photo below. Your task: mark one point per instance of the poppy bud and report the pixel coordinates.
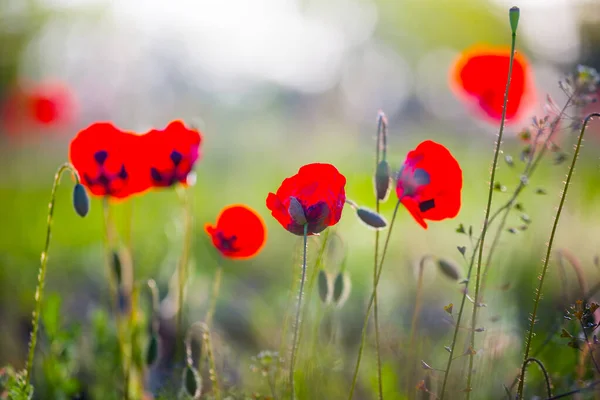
(514, 15)
(382, 180)
(324, 287)
(192, 382)
(152, 351)
(371, 218)
(341, 289)
(117, 269)
(449, 269)
(296, 211)
(81, 201)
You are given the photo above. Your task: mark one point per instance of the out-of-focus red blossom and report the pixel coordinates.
(319, 189)
(38, 106)
(479, 76)
(110, 162)
(172, 153)
(239, 232)
(429, 183)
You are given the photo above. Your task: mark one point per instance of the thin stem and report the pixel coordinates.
(487, 214)
(371, 302)
(544, 371)
(549, 250)
(212, 371)
(39, 291)
(183, 263)
(590, 348)
(298, 311)
(413, 324)
(215, 294)
(381, 145)
(572, 392)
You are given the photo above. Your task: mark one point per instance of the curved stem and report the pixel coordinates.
(549, 250)
(544, 371)
(487, 215)
(371, 302)
(39, 291)
(298, 311)
(183, 263)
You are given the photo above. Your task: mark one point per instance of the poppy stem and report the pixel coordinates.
(538, 292)
(372, 301)
(298, 310)
(182, 268)
(39, 291)
(487, 216)
(380, 148)
(215, 294)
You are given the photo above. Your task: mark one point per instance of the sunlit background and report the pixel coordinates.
(273, 85)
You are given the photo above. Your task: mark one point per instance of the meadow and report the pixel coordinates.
(291, 252)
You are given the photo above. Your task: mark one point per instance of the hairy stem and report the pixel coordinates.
(413, 324)
(39, 291)
(215, 294)
(549, 250)
(182, 268)
(487, 215)
(371, 302)
(298, 311)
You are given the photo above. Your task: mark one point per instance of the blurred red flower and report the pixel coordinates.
(479, 76)
(171, 153)
(429, 183)
(316, 192)
(239, 233)
(38, 106)
(109, 161)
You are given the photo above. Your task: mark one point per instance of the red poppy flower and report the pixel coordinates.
(319, 190)
(108, 161)
(172, 153)
(479, 77)
(240, 232)
(44, 105)
(429, 183)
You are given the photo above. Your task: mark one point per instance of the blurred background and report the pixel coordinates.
(273, 85)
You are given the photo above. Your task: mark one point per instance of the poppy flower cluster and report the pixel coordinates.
(115, 163)
(479, 77)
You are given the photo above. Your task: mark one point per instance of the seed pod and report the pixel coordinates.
(296, 211)
(192, 383)
(152, 351)
(341, 289)
(382, 180)
(81, 201)
(371, 218)
(514, 14)
(324, 287)
(449, 269)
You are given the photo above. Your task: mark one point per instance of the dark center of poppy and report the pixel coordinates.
(176, 157)
(106, 180)
(426, 205)
(412, 179)
(100, 157)
(227, 243)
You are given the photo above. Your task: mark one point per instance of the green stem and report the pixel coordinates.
(381, 145)
(549, 250)
(413, 325)
(183, 264)
(371, 302)
(298, 311)
(487, 215)
(39, 291)
(215, 294)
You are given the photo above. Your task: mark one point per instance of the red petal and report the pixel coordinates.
(313, 185)
(240, 232)
(444, 187)
(479, 77)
